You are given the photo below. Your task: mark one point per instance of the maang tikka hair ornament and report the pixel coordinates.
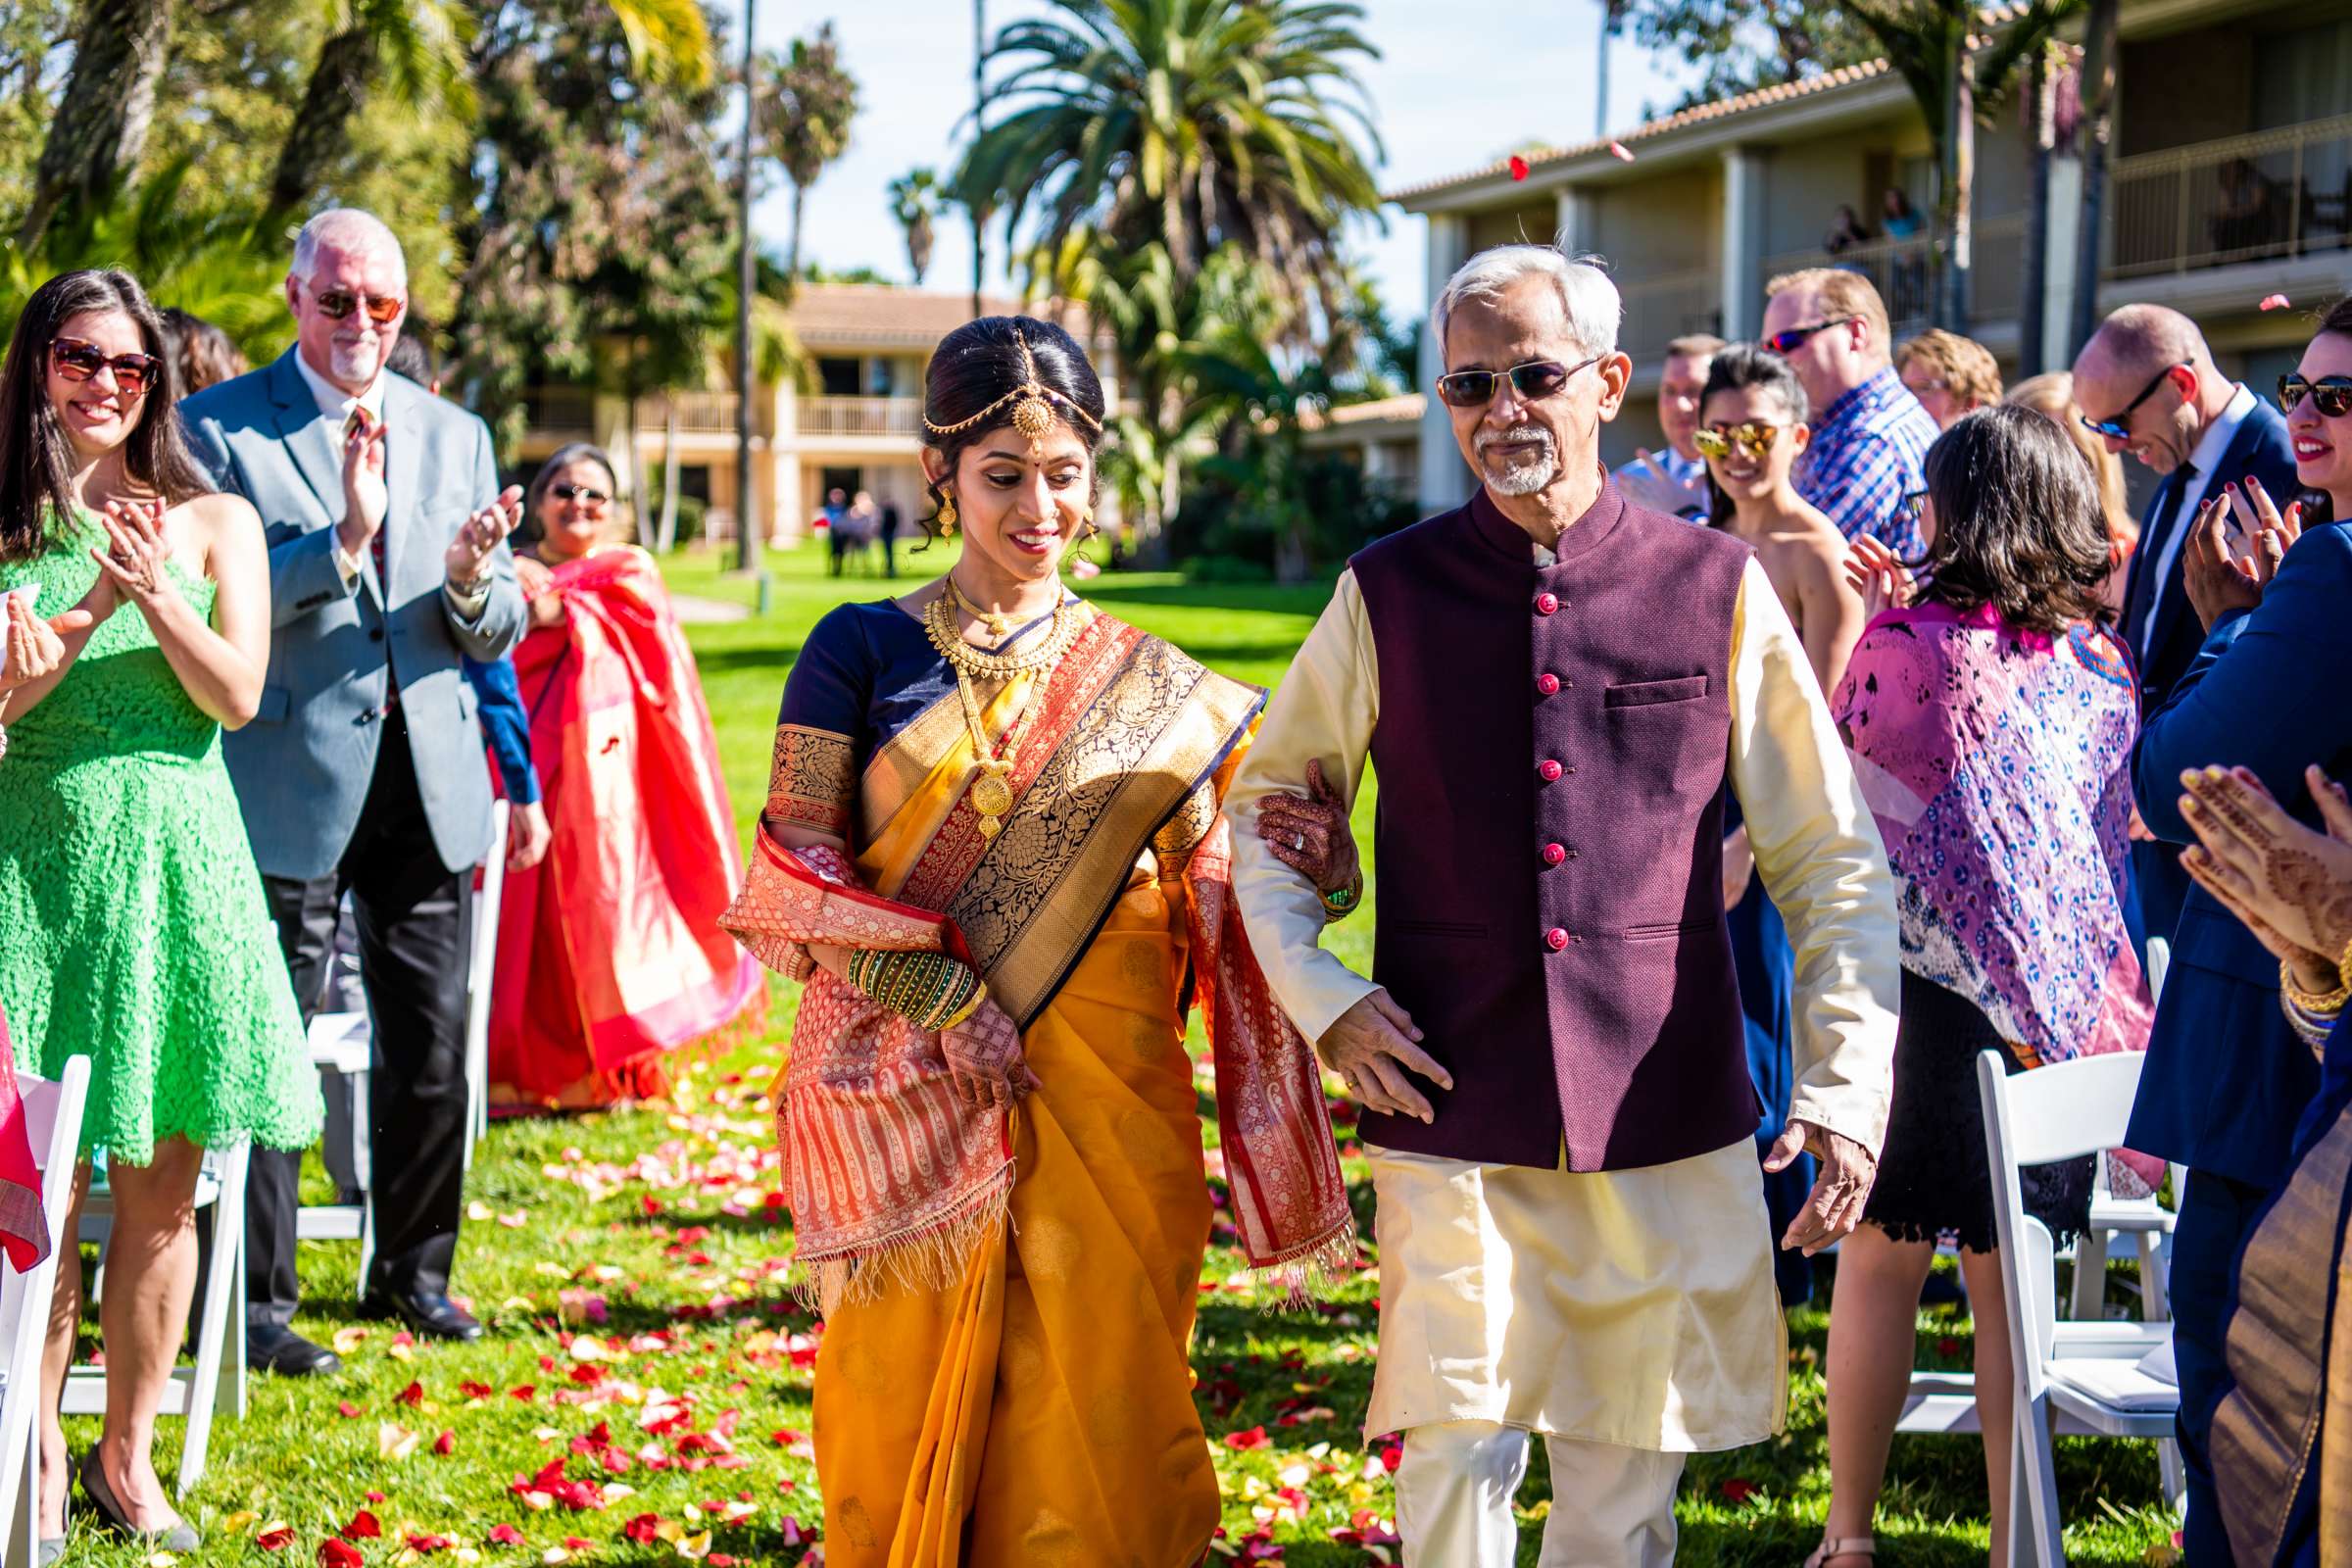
(1035, 408)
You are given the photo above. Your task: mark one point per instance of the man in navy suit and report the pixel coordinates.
(2146, 383)
(2225, 1078)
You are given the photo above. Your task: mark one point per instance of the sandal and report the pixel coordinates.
(1850, 1547)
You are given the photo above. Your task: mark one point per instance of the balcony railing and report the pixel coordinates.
(1659, 309)
(2286, 192)
(705, 413)
(1908, 272)
(567, 411)
(860, 417)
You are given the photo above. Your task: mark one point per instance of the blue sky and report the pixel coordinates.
(1459, 83)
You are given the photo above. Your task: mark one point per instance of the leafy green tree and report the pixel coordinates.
(808, 100)
(914, 203)
(1740, 45)
(100, 123)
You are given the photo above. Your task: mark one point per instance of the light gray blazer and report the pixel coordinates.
(302, 767)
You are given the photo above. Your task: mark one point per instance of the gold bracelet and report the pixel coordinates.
(972, 1005)
(2324, 1004)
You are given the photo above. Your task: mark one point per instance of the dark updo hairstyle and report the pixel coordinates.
(980, 361)
(2017, 522)
(36, 456)
(1735, 367)
(202, 354)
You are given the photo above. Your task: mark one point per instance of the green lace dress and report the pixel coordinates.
(132, 926)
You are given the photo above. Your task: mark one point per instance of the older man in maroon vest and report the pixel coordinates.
(1555, 687)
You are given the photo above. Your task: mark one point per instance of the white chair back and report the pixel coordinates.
(53, 1118)
(482, 966)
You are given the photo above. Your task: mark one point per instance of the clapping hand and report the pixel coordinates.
(136, 550)
(1834, 1206)
(365, 497)
(2216, 578)
(1875, 573)
(1647, 483)
(2292, 887)
(34, 648)
(1371, 1046)
(1309, 833)
(468, 556)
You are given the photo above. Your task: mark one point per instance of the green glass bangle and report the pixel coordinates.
(1341, 903)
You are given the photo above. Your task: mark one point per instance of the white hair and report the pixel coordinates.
(346, 229)
(1586, 296)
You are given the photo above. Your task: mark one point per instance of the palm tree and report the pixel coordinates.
(105, 112)
(1189, 125)
(914, 203)
(2096, 86)
(808, 100)
(1929, 44)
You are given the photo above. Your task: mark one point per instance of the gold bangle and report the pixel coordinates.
(2312, 1002)
(970, 1007)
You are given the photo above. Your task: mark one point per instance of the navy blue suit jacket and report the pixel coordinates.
(2260, 448)
(2225, 1079)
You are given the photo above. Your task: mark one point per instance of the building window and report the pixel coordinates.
(838, 378)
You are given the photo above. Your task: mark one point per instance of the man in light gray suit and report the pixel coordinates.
(364, 771)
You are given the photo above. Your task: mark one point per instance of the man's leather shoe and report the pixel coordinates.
(428, 1314)
(287, 1354)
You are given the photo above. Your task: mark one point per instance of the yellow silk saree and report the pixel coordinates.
(1010, 1297)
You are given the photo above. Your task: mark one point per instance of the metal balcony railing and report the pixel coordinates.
(1659, 309)
(560, 411)
(859, 417)
(2271, 193)
(705, 413)
(1908, 272)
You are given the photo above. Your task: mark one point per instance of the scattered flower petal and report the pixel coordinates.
(1518, 166)
(2273, 302)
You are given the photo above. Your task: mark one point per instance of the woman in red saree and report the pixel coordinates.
(608, 951)
(993, 852)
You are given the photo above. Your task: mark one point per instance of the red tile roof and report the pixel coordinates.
(836, 315)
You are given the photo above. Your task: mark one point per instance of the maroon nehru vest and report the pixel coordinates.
(1552, 750)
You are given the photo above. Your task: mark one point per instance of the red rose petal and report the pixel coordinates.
(363, 1526)
(1621, 152)
(2273, 302)
(337, 1553)
(411, 1396)
(275, 1539)
(446, 1443)
(1255, 1438)
(506, 1536)
(347, 1410)
(1518, 166)
(1738, 1490)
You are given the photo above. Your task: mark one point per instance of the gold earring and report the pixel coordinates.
(947, 517)
(1087, 518)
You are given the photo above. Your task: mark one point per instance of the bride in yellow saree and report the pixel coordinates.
(992, 849)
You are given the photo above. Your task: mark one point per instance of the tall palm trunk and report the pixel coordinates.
(792, 262)
(2034, 267)
(1959, 185)
(321, 132)
(2096, 81)
(666, 536)
(109, 104)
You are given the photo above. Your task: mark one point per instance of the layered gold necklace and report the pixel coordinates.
(991, 783)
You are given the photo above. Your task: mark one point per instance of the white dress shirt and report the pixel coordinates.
(337, 405)
(2205, 457)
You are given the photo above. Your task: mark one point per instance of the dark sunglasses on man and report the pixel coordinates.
(1532, 382)
(338, 303)
(585, 496)
(1795, 338)
(2331, 395)
(79, 361)
(2119, 428)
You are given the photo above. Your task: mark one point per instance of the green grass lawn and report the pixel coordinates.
(629, 1266)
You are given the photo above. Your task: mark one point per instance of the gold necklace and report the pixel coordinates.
(996, 621)
(990, 783)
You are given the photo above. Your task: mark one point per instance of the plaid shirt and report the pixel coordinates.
(1866, 455)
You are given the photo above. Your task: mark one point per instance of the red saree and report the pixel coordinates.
(608, 951)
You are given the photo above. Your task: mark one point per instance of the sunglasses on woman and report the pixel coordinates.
(1532, 382)
(338, 303)
(78, 360)
(1753, 437)
(2119, 428)
(2331, 395)
(1790, 341)
(567, 491)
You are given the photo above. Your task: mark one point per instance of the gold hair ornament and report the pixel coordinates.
(1036, 408)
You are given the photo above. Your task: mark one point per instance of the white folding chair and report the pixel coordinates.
(218, 1376)
(2100, 1380)
(481, 964)
(53, 1120)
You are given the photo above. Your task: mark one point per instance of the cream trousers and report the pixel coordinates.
(1611, 1507)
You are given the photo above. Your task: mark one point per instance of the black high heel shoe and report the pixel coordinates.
(180, 1537)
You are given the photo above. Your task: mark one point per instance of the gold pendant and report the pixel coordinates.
(992, 797)
(991, 826)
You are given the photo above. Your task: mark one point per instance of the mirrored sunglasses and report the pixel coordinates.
(338, 303)
(78, 360)
(1753, 437)
(2331, 395)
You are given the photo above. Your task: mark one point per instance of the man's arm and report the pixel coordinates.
(2265, 691)
(1819, 854)
(488, 622)
(305, 570)
(1325, 707)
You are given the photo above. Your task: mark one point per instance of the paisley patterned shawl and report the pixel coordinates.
(1995, 761)
(1128, 750)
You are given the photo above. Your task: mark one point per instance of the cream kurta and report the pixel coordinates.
(1638, 1306)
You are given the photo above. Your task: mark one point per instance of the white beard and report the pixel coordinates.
(1525, 469)
(354, 362)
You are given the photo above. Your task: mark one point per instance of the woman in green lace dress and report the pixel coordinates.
(136, 929)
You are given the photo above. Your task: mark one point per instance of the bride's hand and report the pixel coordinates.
(985, 1060)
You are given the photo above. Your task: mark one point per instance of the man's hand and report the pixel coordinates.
(468, 554)
(365, 499)
(1650, 485)
(1834, 1206)
(527, 836)
(1371, 1046)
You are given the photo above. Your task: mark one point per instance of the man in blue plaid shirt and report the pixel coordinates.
(1870, 436)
